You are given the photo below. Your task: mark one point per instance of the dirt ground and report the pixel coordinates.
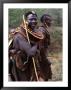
(56, 66)
(56, 60)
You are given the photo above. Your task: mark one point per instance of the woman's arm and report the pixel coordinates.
(20, 43)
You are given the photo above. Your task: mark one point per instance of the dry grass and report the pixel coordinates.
(56, 60)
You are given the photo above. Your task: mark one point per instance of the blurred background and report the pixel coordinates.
(56, 34)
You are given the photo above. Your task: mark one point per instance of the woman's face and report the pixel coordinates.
(32, 20)
(47, 20)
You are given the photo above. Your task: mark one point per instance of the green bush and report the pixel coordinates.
(16, 15)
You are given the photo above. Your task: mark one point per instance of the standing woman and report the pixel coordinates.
(21, 52)
(45, 63)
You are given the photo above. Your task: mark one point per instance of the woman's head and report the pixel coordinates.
(46, 19)
(31, 18)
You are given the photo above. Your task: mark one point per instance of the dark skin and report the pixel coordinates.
(21, 43)
(32, 21)
(47, 21)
